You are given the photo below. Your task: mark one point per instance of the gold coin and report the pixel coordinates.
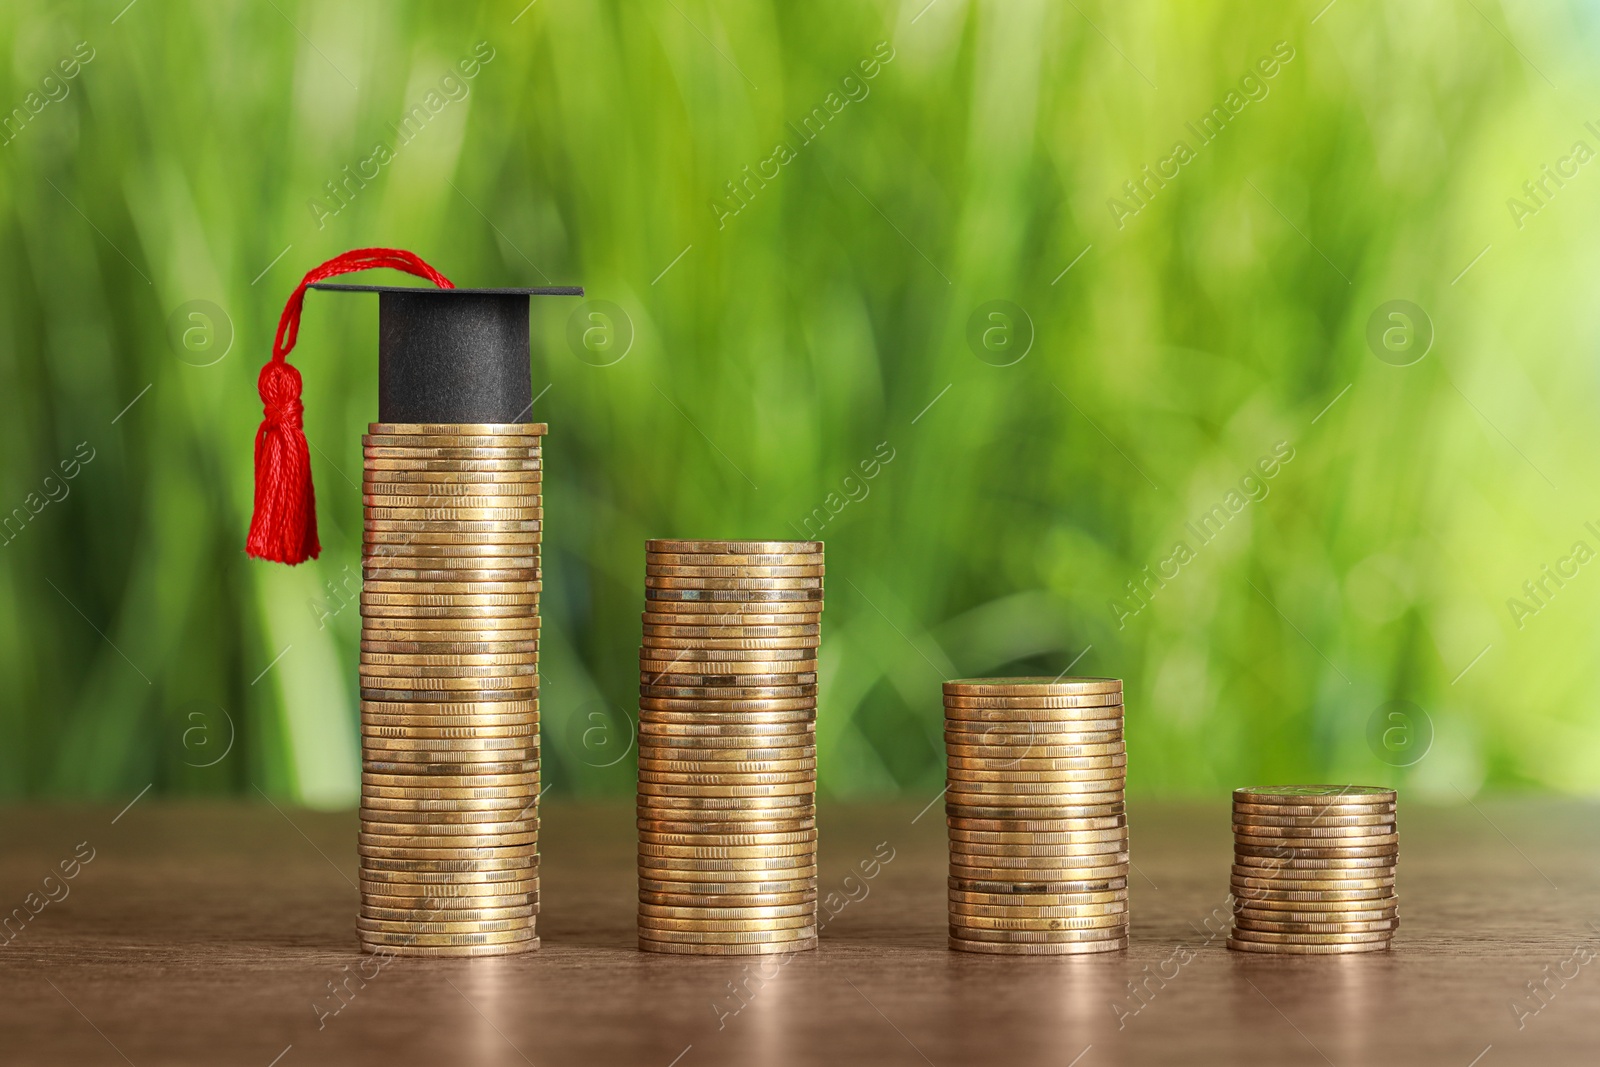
(1349, 938)
(429, 782)
(472, 866)
(465, 884)
(523, 672)
(372, 722)
(460, 915)
(658, 912)
(667, 647)
(1373, 926)
(392, 838)
(678, 899)
(735, 762)
(528, 598)
(1111, 908)
(1091, 781)
(708, 582)
(446, 651)
(446, 482)
(709, 738)
(450, 589)
(418, 911)
(727, 809)
(450, 515)
(753, 886)
(725, 692)
(1043, 709)
(805, 610)
(1375, 907)
(654, 632)
(785, 548)
(1030, 850)
(443, 853)
(1057, 949)
(448, 746)
(1008, 900)
(765, 948)
(1037, 751)
(768, 658)
(1040, 875)
(1008, 866)
(987, 812)
(741, 672)
(456, 952)
(1026, 792)
(1329, 823)
(720, 839)
(448, 660)
(378, 820)
(736, 831)
(413, 942)
(656, 923)
(1115, 932)
(461, 552)
(1051, 687)
(1315, 846)
(479, 571)
(687, 711)
(1046, 838)
(1021, 735)
(963, 796)
(452, 465)
(1300, 794)
(734, 570)
(1031, 827)
(732, 559)
(1308, 950)
(1383, 851)
(673, 735)
(376, 538)
(434, 486)
(805, 934)
(1259, 894)
(802, 773)
(421, 807)
(485, 628)
(1312, 832)
(758, 625)
(1017, 889)
(463, 567)
(691, 855)
(1254, 876)
(1040, 924)
(673, 789)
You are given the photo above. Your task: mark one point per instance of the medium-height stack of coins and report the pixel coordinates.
(1034, 800)
(449, 689)
(1313, 869)
(727, 747)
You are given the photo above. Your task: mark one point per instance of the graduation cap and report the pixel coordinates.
(445, 355)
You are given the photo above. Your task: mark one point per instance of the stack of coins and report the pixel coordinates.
(727, 747)
(1034, 800)
(449, 689)
(1313, 869)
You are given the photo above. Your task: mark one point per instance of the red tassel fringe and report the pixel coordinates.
(283, 527)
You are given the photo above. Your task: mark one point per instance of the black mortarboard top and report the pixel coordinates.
(453, 355)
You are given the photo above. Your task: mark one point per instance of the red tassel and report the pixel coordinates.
(283, 527)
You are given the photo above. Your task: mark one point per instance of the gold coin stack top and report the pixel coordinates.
(450, 688)
(1313, 869)
(727, 747)
(1034, 802)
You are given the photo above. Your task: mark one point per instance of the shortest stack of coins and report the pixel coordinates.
(1313, 869)
(727, 747)
(1034, 801)
(449, 689)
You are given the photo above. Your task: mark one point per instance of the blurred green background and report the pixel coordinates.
(942, 264)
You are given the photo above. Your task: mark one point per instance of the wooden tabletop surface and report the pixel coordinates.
(214, 934)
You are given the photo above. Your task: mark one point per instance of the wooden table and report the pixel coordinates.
(214, 934)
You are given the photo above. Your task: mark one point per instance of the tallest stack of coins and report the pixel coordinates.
(1034, 801)
(1313, 869)
(449, 689)
(727, 747)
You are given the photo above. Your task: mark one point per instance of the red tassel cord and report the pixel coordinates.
(283, 527)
